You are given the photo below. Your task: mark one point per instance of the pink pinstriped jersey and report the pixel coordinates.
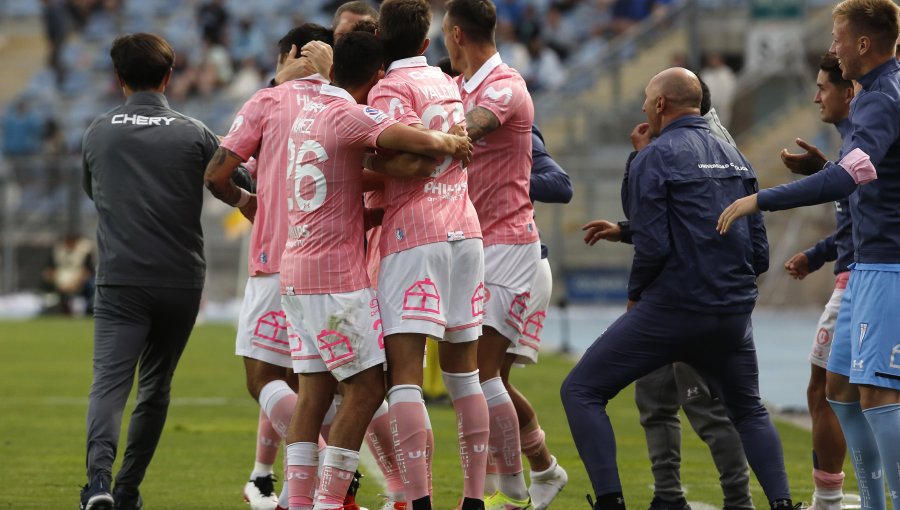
(324, 253)
(373, 200)
(500, 171)
(435, 209)
(261, 129)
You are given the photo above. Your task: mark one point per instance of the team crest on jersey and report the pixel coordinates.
(400, 234)
(238, 122)
(263, 258)
(375, 114)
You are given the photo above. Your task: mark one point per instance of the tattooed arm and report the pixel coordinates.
(480, 122)
(217, 179)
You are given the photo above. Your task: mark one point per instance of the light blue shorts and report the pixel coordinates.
(874, 329)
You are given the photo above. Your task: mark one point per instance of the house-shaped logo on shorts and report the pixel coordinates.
(519, 307)
(479, 298)
(422, 296)
(531, 331)
(334, 348)
(271, 326)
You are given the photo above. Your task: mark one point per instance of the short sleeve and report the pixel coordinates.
(502, 98)
(392, 97)
(245, 136)
(361, 125)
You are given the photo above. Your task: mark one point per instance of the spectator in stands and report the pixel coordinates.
(247, 42)
(558, 32)
(510, 11)
(22, 130)
(511, 50)
(69, 273)
(213, 19)
(628, 13)
(722, 84)
(545, 69)
(54, 17)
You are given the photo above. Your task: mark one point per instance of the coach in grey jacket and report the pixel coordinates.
(143, 168)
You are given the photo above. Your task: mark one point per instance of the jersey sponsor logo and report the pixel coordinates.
(375, 114)
(422, 296)
(298, 231)
(442, 191)
(857, 364)
(502, 96)
(140, 120)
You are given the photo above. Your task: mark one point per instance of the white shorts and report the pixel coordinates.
(509, 271)
(821, 347)
(340, 333)
(435, 289)
(528, 345)
(262, 332)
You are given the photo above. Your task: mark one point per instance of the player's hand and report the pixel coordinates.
(295, 67)
(458, 130)
(640, 136)
(740, 208)
(601, 229)
(249, 209)
(798, 266)
(319, 55)
(462, 148)
(804, 164)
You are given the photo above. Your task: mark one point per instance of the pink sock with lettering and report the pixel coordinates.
(302, 462)
(407, 412)
(267, 441)
(278, 400)
(473, 430)
(378, 437)
(337, 472)
(504, 439)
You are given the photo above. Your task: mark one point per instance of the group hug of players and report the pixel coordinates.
(446, 234)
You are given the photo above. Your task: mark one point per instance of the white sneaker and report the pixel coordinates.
(260, 493)
(546, 485)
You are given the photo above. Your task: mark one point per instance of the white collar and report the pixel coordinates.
(315, 77)
(331, 90)
(417, 61)
(482, 73)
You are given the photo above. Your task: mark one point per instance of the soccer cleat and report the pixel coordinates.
(660, 504)
(260, 493)
(500, 501)
(96, 496)
(391, 504)
(127, 498)
(547, 485)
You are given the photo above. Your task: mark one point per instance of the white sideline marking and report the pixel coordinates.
(83, 401)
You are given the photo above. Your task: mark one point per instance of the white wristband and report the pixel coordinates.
(245, 197)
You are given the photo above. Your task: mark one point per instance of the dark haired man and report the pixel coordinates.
(143, 167)
(260, 130)
(349, 14)
(326, 293)
(499, 116)
(863, 372)
(833, 97)
(431, 243)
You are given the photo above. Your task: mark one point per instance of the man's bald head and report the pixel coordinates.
(680, 87)
(671, 94)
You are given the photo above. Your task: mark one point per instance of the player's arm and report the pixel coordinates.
(480, 122)
(823, 251)
(649, 221)
(425, 142)
(549, 182)
(758, 237)
(400, 164)
(218, 179)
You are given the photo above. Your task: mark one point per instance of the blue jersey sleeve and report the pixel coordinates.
(549, 182)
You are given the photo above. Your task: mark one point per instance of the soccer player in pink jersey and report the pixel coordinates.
(499, 116)
(431, 274)
(261, 130)
(325, 289)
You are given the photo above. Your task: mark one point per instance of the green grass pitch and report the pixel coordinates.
(207, 450)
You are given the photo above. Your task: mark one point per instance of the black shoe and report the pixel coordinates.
(96, 496)
(612, 501)
(354, 485)
(661, 504)
(127, 498)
